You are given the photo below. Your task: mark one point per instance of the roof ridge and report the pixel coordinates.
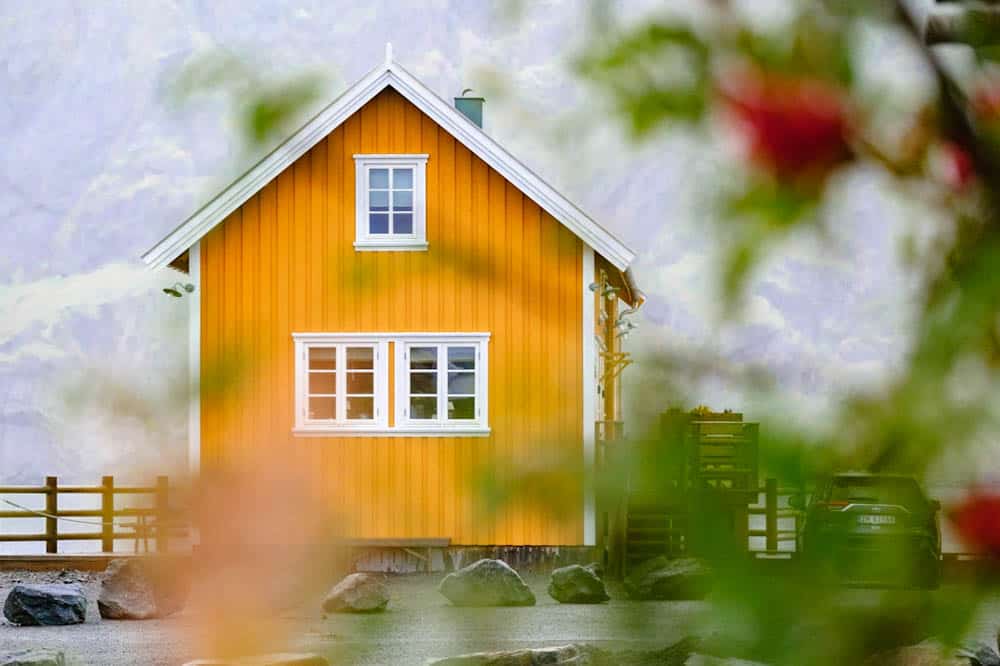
(389, 73)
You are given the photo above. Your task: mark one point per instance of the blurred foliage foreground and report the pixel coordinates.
(788, 102)
(789, 95)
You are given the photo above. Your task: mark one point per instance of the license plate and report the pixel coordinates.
(877, 520)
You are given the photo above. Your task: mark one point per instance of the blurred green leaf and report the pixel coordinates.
(655, 73)
(271, 110)
(264, 110)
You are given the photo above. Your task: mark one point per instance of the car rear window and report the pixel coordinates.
(875, 490)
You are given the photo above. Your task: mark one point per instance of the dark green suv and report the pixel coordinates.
(872, 529)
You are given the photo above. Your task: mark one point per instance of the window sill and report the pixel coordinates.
(470, 431)
(386, 246)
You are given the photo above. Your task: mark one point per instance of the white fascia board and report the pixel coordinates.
(254, 180)
(491, 152)
(443, 113)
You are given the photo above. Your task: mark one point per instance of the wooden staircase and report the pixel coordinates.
(651, 530)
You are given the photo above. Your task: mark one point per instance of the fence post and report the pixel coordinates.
(771, 514)
(162, 510)
(108, 514)
(52, 509)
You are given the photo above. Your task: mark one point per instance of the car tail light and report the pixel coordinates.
(833, 506)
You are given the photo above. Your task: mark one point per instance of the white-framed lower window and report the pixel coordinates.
(390, 202)
(441, 383)
(341, 383)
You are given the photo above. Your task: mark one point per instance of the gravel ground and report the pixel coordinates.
(419, 625)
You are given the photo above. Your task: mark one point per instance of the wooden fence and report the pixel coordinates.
(153, 522)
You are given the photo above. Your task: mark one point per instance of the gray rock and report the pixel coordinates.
(357, 593)
(557, 656)
(576, 585)
(486, 583)
(33, 657)
(708, 660)
(596, 569)
(141, 589)
(980, 654)
(45, 605)
(577, 655)
(276, 659)
(928, 653)
(660, 578)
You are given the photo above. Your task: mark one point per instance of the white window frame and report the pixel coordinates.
(366, 241)
(306, 341)
(401, 426)
(442, 425)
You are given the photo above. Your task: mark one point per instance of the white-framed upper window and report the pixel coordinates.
(391, 202)
(441, 383)
(341, 383)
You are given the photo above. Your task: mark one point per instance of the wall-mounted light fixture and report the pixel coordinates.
(178, 289)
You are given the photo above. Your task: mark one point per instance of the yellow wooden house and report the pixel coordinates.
(413, 307)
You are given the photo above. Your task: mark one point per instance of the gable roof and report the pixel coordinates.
(389, 74)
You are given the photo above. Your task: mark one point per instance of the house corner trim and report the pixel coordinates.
(194, 361)
(589, 400)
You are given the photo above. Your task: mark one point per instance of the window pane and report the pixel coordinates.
(402, 223)
(423, 358)
(378, 223)
(461, 383)
(402, 200)
(423, 408)
(360, 358)
(423, 383)
(360, 382)
(322, 358)
(378, 201)
(378, 178)
(323, 382)
(461, 358)
(402, 178)
(461, 408)
(322, 408)
(360, 408)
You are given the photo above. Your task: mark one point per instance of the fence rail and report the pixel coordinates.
(154, 522)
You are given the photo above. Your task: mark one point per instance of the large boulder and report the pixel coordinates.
(486, 583)
(660, 578)
(357, 593)
(45, 605)
(135, 589)
(32, 657)
(577, 585)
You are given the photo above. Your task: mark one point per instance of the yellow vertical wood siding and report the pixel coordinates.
(284, 262)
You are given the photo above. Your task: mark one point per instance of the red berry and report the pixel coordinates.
(795, 127)
(985, 101)
(958, 169)
(977, 520)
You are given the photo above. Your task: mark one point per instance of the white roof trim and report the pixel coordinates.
(444, 114)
